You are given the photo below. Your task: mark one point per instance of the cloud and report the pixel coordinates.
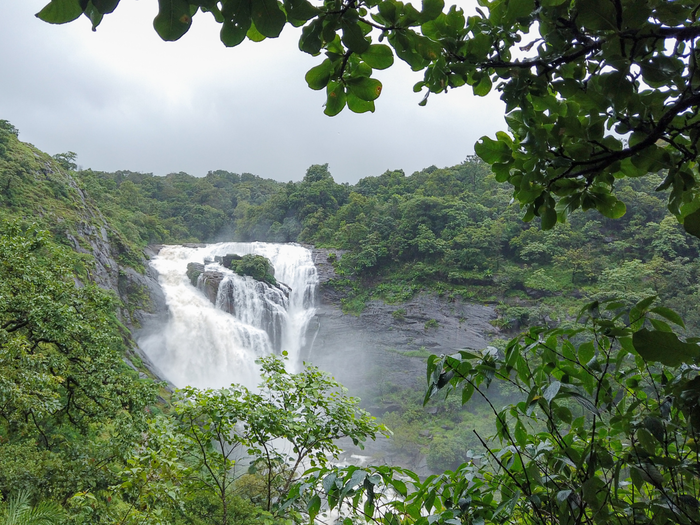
(123, 99)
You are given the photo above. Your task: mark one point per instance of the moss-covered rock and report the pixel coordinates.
(256, 266)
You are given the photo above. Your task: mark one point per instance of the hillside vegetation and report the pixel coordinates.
(85, 438)
(453, 231)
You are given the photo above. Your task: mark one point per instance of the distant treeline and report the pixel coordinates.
(453, 230)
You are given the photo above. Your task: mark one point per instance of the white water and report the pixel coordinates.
(206, 347)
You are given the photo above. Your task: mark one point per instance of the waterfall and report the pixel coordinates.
(214, 341)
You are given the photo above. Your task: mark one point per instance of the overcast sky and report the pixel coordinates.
(123, 99)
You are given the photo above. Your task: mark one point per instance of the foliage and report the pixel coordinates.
(61, 352)
(293, 420)
(258, 267)
(66, 393)
(18, 511)
(604, 431)
(178, 207)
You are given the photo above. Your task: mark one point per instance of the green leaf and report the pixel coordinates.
(664, 347)
(310, 41)
(105, 6)
(596, 14)
(669, 314)
(586, 352)
(233, 33)
(336, 99)
(549, 218)
(253, 34)
(551, 391)
(94, 15)
(353, 37)
(647, 441)
(519, 9)
(611, 208)
(318, 77)
(378, 56)
(300, 10)
(365, 88)
(173, 19)
(268, 18)
(691, 224)
(492, 151)
(313, 507)
(483, 88)
(432, 9)
(60, 11)
(357, 105)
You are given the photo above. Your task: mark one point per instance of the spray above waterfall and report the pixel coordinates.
(215, 333)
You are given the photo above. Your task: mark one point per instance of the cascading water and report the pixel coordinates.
(213, 345)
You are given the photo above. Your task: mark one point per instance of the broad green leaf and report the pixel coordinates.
(549, 218)
(691, 223)
(519, 9)
(492, 151)
(105, 6)
(173, 19)
(661, 326)
(365, 88)
(310, 41)
(483, 88)
(94, 15)
(596, 14)
(586, 352)
(60, 11)
(313, 507)
(353, 38)
(268, 18)
(520, 434)
(253, 34)
(612, 209)
(301, 10)
(336, 99)
(551, 391)
(357, 105)
(232, 33)
(432, 9)
(647, 441)
(378, 56)
(664, 347)
(669, 314)
(318, 77)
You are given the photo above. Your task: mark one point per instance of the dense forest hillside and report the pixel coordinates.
(453, 231)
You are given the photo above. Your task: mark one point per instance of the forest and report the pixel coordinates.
(579, 225)
(140, 454)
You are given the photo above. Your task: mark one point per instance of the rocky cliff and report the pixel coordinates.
(386, 343)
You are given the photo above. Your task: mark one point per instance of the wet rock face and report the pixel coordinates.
(389, 344)
(380, 347)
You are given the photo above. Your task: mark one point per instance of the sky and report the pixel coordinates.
(123, 99)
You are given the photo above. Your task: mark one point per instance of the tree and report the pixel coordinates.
(595, 90)
(65, 391)
(219, 435)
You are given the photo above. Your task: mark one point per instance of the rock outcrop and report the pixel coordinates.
(223, 293)
(388, 344)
